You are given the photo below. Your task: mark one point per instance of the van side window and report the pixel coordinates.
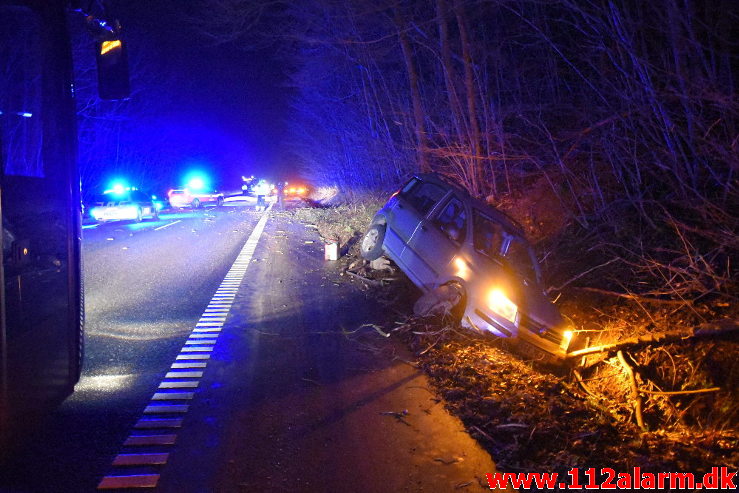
(487, 235)
(453, 220)
(519, 258)
(424, 196)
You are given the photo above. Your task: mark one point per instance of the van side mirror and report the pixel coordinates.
(112, 67)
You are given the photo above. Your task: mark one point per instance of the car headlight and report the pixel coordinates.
(500, 304)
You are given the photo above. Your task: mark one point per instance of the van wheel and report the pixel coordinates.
(446, 300)
(371, 246)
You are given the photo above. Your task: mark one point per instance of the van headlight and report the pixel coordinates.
(500, 304)
(566, 339)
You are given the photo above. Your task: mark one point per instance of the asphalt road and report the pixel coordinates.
(294, 394)
(146, 285)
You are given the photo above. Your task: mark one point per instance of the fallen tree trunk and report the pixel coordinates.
(713, 329)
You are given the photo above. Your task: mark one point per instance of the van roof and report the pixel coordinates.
(508, 223)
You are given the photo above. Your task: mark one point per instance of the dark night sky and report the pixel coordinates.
(219, 106)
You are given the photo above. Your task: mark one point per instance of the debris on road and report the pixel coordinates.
(449, 462)
(400, 416)
(382, 263)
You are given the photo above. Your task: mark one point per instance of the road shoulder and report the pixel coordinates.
(322, 404)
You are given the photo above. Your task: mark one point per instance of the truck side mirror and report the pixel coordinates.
(112, 67)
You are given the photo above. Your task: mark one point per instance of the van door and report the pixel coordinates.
(436, 241)
(411, 206)
(40, 333)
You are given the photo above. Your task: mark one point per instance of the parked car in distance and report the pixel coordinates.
(124, 203)
(462, 251)
(184, 197)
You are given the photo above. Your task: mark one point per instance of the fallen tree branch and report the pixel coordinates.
(704, 330)
(680, 392)
(634, 390)
(559, 288)
(580, 380)
(634, 297)
(592, 399)
(365, 279)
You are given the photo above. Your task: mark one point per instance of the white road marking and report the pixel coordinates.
(149, 424)
(168, 225)
(184, 374)
(173, 396)
(193, 356)
(166, 408)
(144, 440)
(176, 366)
(198, 346)
(180, 384)
(132, 481)
(140, 459)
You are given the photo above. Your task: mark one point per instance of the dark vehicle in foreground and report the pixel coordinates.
(41, 296)
(469, 255)
(121, 204)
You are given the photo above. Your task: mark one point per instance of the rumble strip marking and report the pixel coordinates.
(169, 396)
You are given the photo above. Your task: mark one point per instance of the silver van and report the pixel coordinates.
(454, 247)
